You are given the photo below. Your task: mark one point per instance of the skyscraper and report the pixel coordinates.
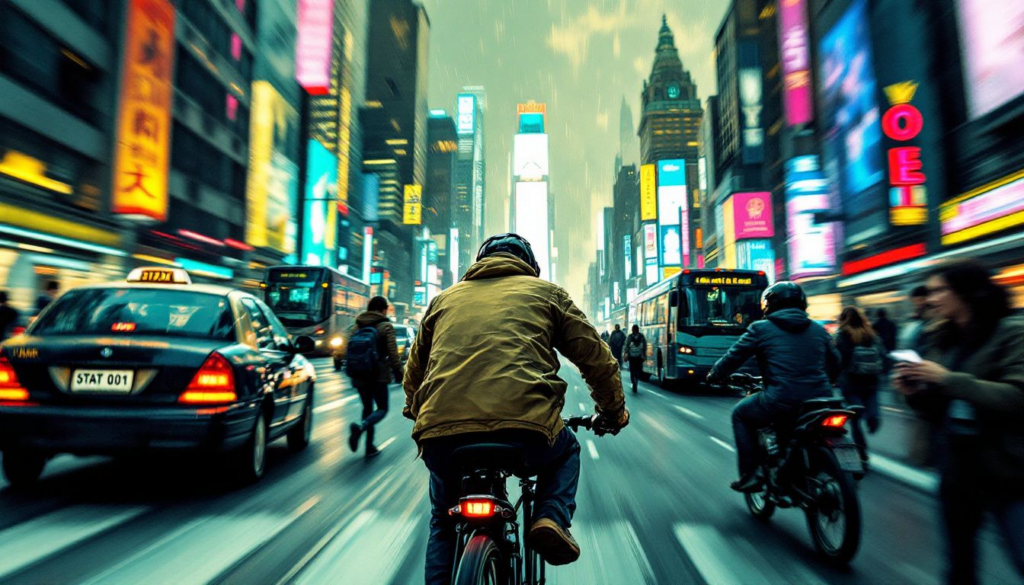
(531, 207)
(629, 150)
(469, 174)
(394, 125)
(439, 191)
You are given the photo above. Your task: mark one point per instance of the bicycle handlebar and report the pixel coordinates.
(575, 422)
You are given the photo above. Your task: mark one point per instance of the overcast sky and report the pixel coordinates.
(580, 57)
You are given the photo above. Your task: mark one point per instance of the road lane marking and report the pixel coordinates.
(386, 443)
(704, 545)
(921, 480)
(689, 412)
(334, 405)
(613, 555)
(658, 426)
(41, 538)
(658, 394)
(593, 449)
(722, 443)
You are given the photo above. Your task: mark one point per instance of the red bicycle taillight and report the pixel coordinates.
(835, 421)
(214, 383)
(477, 508)
(10, 388)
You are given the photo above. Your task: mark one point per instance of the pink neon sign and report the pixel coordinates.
(796, 62)
(313, 49)
(753, 215)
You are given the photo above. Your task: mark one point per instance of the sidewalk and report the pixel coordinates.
(890, 446)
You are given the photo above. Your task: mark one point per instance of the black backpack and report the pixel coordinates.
(866, 361)
(361, 359)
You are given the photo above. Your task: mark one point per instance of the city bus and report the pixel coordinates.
(317, 301)
(692, 318)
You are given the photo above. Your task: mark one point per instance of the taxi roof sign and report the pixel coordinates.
(159, 275)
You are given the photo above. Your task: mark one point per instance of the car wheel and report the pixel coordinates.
(300, 434)
(251, 460)
(23, 468)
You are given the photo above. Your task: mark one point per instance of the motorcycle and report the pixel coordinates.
(808, 462)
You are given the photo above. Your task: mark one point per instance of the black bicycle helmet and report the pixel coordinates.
(510, 244)
(783, 295)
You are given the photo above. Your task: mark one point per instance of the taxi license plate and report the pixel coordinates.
(113, 381)
(849, 458)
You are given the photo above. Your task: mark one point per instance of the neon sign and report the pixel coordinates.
(903, 122)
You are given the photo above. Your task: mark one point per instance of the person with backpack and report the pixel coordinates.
(371, 361)
(616, 340)
(864, 361)
(636, 353)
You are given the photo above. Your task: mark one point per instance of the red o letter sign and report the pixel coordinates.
(902, 122)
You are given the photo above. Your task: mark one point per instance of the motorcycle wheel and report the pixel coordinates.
(760, 506)
(834, 517)
(481, 564)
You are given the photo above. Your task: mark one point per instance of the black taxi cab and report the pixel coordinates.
(154, 363)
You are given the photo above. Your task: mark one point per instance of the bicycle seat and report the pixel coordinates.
(493, 456)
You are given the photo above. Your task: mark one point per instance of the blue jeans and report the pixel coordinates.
(749, 416)
(371, 393)
(556, 467)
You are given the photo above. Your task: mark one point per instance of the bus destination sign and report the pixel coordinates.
(724, 280)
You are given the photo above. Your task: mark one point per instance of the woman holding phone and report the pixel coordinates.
(970, 385)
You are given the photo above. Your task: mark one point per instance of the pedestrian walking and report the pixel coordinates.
(864, 362)
(885, 328)
(8, 316)
(371, 360)
(912, 331)
(970, 385)
(616, 340)
(605, 336)
(636, 353)
(45, 298)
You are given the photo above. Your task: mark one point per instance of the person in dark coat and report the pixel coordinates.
(798, 362)
(864, 361)
(886, 329)
(374, 389)
(636, 353)
(8, 316)
(616, 340)
(970, 385)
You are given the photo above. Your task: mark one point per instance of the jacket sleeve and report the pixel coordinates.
(578, 341)
(741, 351)
(1003, 396)
(419, 355)
(392, 344)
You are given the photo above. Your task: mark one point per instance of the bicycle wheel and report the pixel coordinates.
(481, 564)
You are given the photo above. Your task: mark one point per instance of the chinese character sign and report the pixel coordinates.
(648, 193)
(413, 209)
(142, 153)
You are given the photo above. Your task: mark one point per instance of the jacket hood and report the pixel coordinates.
(792, 320)
(497, 266)
(368, 318)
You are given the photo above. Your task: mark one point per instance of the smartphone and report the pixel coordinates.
(906, 355)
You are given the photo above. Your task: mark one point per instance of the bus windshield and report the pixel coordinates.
(296, 296)
(720, 306)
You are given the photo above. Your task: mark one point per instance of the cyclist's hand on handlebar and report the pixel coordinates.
(611, 422)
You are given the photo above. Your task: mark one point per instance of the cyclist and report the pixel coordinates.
(798, 362)
(483, 369)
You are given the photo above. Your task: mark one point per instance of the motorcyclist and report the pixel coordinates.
(798, 361)
(483, 369)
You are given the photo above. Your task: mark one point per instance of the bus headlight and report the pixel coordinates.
(336, 342)
(686, 350)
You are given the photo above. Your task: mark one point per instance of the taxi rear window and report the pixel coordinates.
(135, 312)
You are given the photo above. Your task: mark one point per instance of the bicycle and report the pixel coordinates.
(491, 549)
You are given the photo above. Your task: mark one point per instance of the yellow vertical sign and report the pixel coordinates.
(261, 141)
(648, 193)
(142, 153)
(729, 231)
(413, 209)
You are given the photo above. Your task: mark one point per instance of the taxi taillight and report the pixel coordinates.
(10, 388)
(214, 383)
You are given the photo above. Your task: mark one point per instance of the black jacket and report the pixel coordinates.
(387, 346)
(886, 329)
(796, 355)
(617, 340)
(850, 383)
(636, 339)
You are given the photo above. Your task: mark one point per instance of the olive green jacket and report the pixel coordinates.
(484, 358)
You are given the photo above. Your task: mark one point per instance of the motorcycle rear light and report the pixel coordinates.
(320, 331)
(123, 327)
(214, 383)
(834, 421)
(10, 388)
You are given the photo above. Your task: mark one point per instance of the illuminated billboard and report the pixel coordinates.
(993, 208)
(651, 242)
(273, 181)
(751, 103)
(671, 191)
(648, 193)
(671, 245)
(853, 133)
(532, 220)
(752, 214)
(794, 47)
(812, 246)
(530, 156)
(314, 45)
(465, 112)
(412, 208)
(321, 211)
(142, 152)
(992, 40)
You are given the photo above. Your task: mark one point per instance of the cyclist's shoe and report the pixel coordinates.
(355, 429)
(749, 483)
(554, 543)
